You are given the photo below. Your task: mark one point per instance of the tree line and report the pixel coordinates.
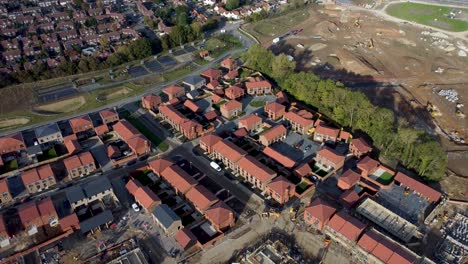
(396, 139)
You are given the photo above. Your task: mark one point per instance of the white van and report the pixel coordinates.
(215, 166)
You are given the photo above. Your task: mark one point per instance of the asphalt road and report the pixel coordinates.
(231, 28)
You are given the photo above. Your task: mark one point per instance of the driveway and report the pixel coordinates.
(99, 151)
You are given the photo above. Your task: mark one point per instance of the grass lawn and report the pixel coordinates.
(386, 178)
(274, 27)
(143, 178)
(301, 187)
(146, 132)
(429, 15)
(50, 154)
(9, 166)
(257, 103)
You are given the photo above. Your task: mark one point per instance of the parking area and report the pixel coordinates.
(154, 66)
(56, 92)
(16, 186)
(137, 71)
(167, 61)
(299, 147)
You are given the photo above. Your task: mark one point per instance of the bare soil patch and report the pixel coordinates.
(63, 106)
(13, 122)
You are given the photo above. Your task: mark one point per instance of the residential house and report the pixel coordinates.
(258, 87)
(69, 222)
(229, 64)
(325, 133)
(211, 74)
(228, 153)
(165, 218)
(169, 114)
(208, 141)
(47, 211)
(201, 198)
(81, 124)
(231, 109)
(30, 217)
(185, 238)
(79, 165)
(178, 179)
(318, 213)
(6, 197)
(231, 75)
(279, 158)
(348, 179)
(280, 189)
(298, 123)
(87, 193)
(159, 165)
(109, 116)
(234, 92)
(191, 129)
(368, 166)
(190, 105)
(275, 134)
(12, 143)
(151, 102)
(418, 187)
(48, 133)
(344, 227)
(194, 82)
(38, 179)
(251, 123)
(255, 172)
(274, 110)
(174, 91)
(213, 85)
(4, 236)
(359, 147)
(303, 170)
(139, 144)
(221, 216)
(96, 222)
(144, 196)
(329, 158)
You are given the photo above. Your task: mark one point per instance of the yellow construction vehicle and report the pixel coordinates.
(277, 215)
(370, 43)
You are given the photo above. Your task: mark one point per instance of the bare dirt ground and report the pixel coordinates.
(12, 122)
(396, 65)
(63, 106)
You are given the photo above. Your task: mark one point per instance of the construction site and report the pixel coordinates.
(418, 72)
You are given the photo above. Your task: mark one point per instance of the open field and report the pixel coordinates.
(276, 26)
(13, 122)
(63, 106)
(368, 53)
(430, 15)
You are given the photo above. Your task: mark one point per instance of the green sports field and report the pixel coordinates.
(430, 15)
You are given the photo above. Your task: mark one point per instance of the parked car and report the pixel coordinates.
(135, 207)
(215, 166)
(299, 144)
(307, 148)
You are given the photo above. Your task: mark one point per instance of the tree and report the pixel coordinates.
(139, 49)
(232, 4)
(282, 66)
(83, 65)
(91, 22)
(211, 23)
(78, 2)
(182, 19)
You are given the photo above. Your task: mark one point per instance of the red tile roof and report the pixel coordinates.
(241, 133)
(368, 164)
(326, 130)
(278, 157)
(346, 225)
(69, 221)
(191, 126)
(112, 150)
(107, 113)
(345, 135)
(173, 114)
(303, 170)
(305, 114)
(274, 107)
(282, 97)
(191, 106)
(320, 209)
(233, 92)
(146, 197)
(11, 141)
(350, 177)
(201, 197)
(280, 184)
(79, 160)
(250, 120)
(228, 62)
(210, 140)
(178, 178)
(213, 84)
(274, 132)
(231, 105)
(4, 186)
(361, 145)
(132, 186)
(151, 100)
(125, 129)
(229, 150)
(259, 84)
(330, 155)
(173, 89)
(159, 165)
(384, 249)
(350, 197)
(28, 213)
(293, 117)
(81, 121)
(184, 237)
(212, 73)
(36, 174)
(101, 130)
(219, 213)
(418, 187)
(211, 115)
(231, 74)
(216, 98)
(72, 146)
(256, 169)
(138, 143)
(46, 208)
(2, 225)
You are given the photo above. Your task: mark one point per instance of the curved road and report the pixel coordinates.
(230, 28)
